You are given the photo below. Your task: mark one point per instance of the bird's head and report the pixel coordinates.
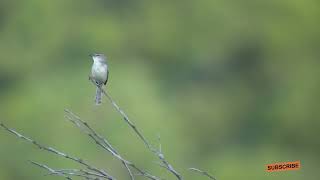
(97, 57)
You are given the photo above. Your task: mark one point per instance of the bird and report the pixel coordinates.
(99, 74)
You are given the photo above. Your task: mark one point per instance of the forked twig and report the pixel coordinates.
(59, 153)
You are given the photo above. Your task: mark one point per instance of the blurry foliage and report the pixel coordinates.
(230, 85)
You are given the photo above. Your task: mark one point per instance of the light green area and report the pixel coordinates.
(229, 85)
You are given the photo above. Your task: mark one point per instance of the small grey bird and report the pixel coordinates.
(99, 73)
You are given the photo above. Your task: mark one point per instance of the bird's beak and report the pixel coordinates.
(91, 55)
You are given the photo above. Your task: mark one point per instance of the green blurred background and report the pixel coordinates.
(229, 85)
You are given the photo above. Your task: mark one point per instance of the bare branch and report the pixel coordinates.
(92, 173)
(158, 153)
(202, 173)
(59, 153)
(67, 173)
(104, 143)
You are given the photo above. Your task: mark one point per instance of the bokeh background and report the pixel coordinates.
(229, 85)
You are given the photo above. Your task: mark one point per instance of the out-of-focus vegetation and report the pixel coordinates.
(230, 85)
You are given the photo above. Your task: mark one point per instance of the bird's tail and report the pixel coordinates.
(98, 96)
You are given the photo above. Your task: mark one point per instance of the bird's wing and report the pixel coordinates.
(105, 83)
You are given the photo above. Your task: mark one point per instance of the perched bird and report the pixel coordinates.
(99, 73)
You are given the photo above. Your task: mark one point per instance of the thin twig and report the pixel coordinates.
(52, 171)
(164, 163)
(105, 144)
(67, 173)
(125, 117)
(56, 152)
(202, 173)
(157, 152)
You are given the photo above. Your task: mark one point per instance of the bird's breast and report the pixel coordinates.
(99, 72)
